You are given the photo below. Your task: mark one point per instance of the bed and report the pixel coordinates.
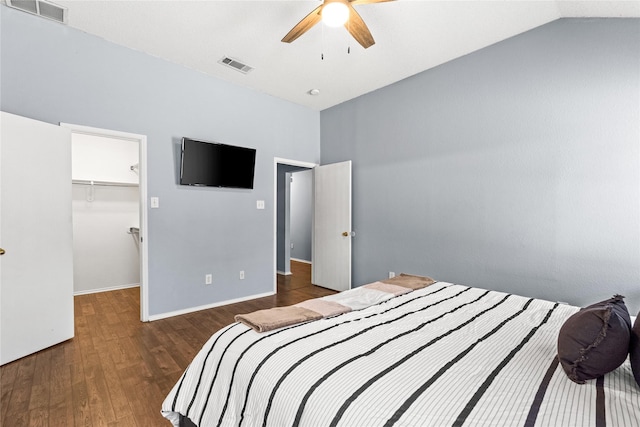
(442, 355)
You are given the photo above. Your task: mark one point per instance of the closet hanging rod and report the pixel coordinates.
(107, 183)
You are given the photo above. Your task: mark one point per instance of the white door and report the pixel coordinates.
(36, 270)
(331, 255)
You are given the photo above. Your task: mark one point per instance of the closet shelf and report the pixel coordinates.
(107, 183)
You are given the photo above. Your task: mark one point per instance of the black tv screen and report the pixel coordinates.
(216, 165)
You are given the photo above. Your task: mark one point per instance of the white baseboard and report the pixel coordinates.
(283, 273)
(107, 289)
(301, 260)
(207, 306)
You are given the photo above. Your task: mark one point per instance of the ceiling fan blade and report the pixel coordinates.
(358, 29)
(367, 1)
(304, 25)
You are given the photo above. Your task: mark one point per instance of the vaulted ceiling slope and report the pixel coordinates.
(411, 36)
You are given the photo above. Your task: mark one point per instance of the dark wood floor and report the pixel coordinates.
(116, 371)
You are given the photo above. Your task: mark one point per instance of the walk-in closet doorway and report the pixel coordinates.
(109, 211)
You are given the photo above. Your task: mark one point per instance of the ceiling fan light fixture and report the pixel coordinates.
(335, 14)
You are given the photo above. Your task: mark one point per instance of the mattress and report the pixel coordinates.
(444, 355)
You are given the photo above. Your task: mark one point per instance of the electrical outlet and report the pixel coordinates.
(208, 279)
(392, 275)
(241, 274)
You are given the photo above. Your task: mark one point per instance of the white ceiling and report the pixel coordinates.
(411, 36)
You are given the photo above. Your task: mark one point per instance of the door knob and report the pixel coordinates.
(1, 251)
(345, 234)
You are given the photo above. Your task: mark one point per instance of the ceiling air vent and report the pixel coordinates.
(235, 64)
(42, 8)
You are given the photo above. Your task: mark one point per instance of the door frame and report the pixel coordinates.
(142, 173)
(276, 162)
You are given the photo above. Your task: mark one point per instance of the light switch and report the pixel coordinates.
(155, 202)
(260, 204)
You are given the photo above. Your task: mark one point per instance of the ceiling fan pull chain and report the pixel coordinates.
(349, 38)
(322, 44)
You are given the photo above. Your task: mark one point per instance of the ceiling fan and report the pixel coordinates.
(336, 13)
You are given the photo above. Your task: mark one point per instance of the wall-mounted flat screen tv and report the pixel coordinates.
(211, 164)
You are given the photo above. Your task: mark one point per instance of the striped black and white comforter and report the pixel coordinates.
(445, 355)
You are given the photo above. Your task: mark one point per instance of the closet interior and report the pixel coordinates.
(106, 213)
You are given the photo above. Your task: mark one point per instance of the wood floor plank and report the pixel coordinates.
(116, 371)
(102, 412)
(87, 307)
(79, 396)
(142, 392)
(18, 408)
(61, 414)
(39, 417)
(41, 380)
(117, 397)
(128, 421)
(179, 322)
(189, 347)
(60, 395)
(124, 353)
(98, 396)
(7, 380)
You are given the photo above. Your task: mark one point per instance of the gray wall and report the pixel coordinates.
(515, 168)
(53, 73)
(301, 213)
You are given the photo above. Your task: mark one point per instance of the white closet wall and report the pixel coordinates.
(102, 159)
(106, 252)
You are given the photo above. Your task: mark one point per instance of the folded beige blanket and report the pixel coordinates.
(389, 288)
(324, 307)
(410, 281)
(318, 308)
(277, 317)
